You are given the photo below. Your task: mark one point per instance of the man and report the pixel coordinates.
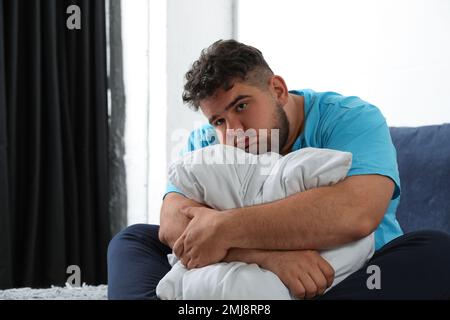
(236, 90)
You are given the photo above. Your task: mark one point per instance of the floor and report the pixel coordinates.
(84, 292)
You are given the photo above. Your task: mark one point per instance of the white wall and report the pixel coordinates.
(157, 124)
(192, 26)
(395, 54)
(161, 39)
(136, 65)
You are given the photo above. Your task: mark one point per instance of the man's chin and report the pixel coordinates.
(252, 151)
(255, 149)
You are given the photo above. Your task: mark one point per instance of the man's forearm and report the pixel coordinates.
(316, 219)
(247, 255)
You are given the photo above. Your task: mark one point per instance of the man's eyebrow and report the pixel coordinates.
(230, 105)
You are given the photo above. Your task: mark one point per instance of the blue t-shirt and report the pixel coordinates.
(336, 122)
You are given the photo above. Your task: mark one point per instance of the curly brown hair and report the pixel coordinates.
(219, 66)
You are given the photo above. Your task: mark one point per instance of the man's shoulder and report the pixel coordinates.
(202, 137)
(341, 100)
(330, 108)
(331, 101)
(334, 107)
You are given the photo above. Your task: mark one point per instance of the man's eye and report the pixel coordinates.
(218, 122)
(241, 107)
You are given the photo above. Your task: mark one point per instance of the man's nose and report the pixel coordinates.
(235, 124)
(234, 130)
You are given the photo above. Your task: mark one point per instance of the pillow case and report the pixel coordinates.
(225, 177)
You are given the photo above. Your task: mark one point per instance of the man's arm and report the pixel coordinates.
(320, 218)
(172, 222)
(316, 219)
(304, 272)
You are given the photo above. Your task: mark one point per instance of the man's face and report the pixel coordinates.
(241, 114)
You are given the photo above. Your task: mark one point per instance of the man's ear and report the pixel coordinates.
(280, 90)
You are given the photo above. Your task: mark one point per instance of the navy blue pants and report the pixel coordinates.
(413, 266)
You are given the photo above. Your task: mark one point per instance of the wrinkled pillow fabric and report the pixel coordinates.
(224, 177)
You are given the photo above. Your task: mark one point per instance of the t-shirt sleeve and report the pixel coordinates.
(360, 128)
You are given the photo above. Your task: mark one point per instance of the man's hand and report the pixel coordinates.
(304, 272)
(172, 221)
(202, 242)
(319, 218)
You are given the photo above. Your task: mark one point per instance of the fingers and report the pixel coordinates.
(192, 264)
(178, 246)
(186, 259)
(312, 283)
(327, 271)
(319, 280)
(309, 285)
(297, 289)
(185, 255)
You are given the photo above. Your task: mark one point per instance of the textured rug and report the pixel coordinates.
(84, 292)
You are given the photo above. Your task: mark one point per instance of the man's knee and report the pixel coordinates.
(439, 236)
(432, 252)
(439, 241)
(143, 233)
(137, 260)
(432, 238)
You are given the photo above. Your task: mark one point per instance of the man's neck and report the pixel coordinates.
(295, 112)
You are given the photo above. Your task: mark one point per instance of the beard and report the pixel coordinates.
(280, 123)
(272, 139)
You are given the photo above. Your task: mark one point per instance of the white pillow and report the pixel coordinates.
(224, 177)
